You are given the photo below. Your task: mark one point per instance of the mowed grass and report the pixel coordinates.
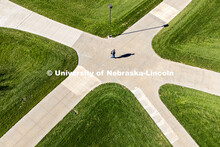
(193, 36)
(109, 115)
(198, 112)
(92, 15)
(24, 61)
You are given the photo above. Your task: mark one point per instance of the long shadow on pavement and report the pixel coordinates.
(125, 55)
(166, 25)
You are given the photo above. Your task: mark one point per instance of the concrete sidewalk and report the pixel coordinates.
(17, 17)
(155, 115)
(94, 53)
(47, 113)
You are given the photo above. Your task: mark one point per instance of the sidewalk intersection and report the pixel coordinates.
(94, 56)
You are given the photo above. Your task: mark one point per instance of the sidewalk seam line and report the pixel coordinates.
(24, 20)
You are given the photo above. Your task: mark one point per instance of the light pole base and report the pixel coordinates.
(110, 37)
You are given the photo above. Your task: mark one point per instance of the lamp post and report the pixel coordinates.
(110, 7)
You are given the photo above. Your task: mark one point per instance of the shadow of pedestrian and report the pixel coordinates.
(125, 55)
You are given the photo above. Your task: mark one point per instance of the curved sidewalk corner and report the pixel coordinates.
(29, 130)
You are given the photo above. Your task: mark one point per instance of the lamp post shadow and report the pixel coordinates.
(163, 26)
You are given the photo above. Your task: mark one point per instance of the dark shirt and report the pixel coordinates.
(113, 52)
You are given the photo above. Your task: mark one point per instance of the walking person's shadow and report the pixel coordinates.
(125, 55)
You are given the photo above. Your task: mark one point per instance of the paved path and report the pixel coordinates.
(17, 17)
(46, 114)
(94, 56)
(155, 115)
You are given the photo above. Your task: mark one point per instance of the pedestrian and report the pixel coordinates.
(113, 53)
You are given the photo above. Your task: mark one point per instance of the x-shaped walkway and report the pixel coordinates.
(94, 56)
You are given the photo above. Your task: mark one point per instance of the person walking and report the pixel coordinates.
(113, 53)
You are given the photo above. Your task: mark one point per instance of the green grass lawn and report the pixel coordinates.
(109, 115)
(198, 112)
(24, 61)
(193, 36)
(92, 15)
